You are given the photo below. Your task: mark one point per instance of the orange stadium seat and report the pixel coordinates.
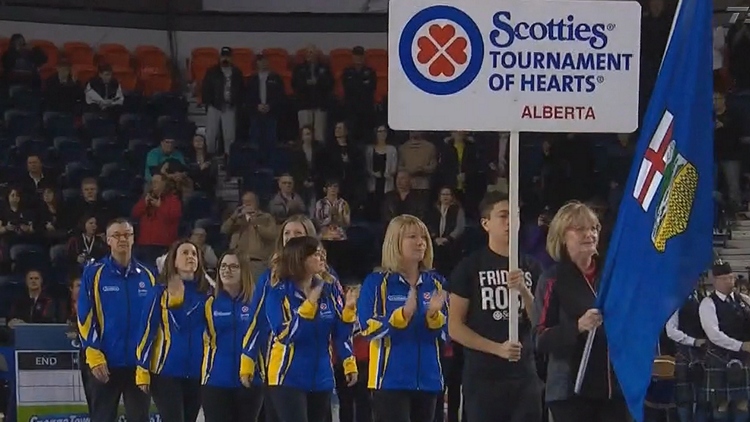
(300, 55)
(149, 56)
(116, 55)
(156, 83)
(78, 53)
(50, 50)
(200, 60)
(338, 86)
(340, 59)
(83, 72)
(205, 52)
(377, 58)
(126, 77)
(286, 76)
(244, 58)
(278, 59)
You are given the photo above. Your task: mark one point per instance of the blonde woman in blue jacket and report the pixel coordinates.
(401, 312)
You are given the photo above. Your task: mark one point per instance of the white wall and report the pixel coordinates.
(186, 41)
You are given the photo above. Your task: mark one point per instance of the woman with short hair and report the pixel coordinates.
(400, 311)
(565, 298)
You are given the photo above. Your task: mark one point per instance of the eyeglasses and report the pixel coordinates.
(230, 267)
(122, 236)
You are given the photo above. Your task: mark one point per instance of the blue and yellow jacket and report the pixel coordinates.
(171, 334)
(404, 354)
(300, 355)
(112, 338)
(255, 344)
(228, 320)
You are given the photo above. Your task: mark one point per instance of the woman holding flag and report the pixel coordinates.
(565, 298)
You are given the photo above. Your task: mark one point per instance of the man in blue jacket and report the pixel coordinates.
(119, 284)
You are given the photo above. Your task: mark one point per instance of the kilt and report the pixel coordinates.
(722, 384)
(689, 374)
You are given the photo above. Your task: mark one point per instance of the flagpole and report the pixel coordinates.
(514, 210)
(584, 361)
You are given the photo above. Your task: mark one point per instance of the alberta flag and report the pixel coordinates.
(662, 240)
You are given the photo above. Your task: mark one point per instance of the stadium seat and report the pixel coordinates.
(26, 99)
(83, 72)
(381, 89)
(286, 76)
(126, 77)
(156, 83)
(79, 53)
(53, 54)
(27, 145)
(279, 160)
(150, 57)
(244, 58)
(261, 181)
(178, 129)
(21, 124)
(278, 59)
(242, 157)
(377, 58)
(99, 127)
(114, 176)
(200, 60)
(60, 125)
(132, 126)
(28, 256)
(118, 201)
(69, 150)
(196, 206)
(105, 150)
(116, 55)
(70, 194)
(136, 153)
(75, 172)
(340, 59)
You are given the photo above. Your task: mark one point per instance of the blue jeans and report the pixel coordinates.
(263, 132)
(692, 414)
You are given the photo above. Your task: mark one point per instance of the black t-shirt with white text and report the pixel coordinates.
(482, 278)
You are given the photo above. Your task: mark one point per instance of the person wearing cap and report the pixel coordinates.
(685, 330)
(222, 92)
(265, 94)
(725, 318)
(359, 81)
(62, 93)
(312, 83)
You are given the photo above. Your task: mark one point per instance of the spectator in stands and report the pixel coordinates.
(104, 93)
(88, 203)
(534, 238)
(164, 153)
(200, 166)
(312, 83)
(554, 175)
(85, 245)
(738, 51)
(462, 169)
(265, 97)
(418, 157)
(222, 93)
(381, 162)
(333, 216)
(286, 202)
(62, 93)
(21, 63)
(402, 200)
(563, 303)
(655, 27)
(497, 165)
(50, 218)
(35, 181)
(346, 163)
(33, 306)
(158, 214)
(728, 151)
(447, 222)
(16, 220)
(252, 233)
(71, 317)
(305, 160)
(198, 237)
(359, 81)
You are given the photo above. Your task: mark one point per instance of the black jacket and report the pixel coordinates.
(64, 97)
(212, 90)
(359, 86)
(312, 96)
(274, 92)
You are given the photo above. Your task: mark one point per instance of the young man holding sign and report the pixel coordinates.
(500, 381)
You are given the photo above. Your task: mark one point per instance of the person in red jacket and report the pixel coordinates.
(158, 213)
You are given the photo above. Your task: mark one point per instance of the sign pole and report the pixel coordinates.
(514, 210)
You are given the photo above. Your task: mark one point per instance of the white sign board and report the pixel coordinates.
(530, 66)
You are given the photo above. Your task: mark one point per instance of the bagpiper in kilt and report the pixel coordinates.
(725, 317)
(684, 328)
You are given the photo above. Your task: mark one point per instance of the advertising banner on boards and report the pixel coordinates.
(567, 66)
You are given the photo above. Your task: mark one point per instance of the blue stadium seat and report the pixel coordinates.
(262, 182)
(60, 125)
(105, 151)
(279, 160)
(75, 172)
(168, 104)
(28, 145)
(196, 206)
(24, 98)
(133, 126)
(115, 176)
(176, 128)
(243, 157)
(28, 256)
(119, 202)
(136, 153)
(69, 150)
(21, 124)
(70, 194)
(99, 127)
